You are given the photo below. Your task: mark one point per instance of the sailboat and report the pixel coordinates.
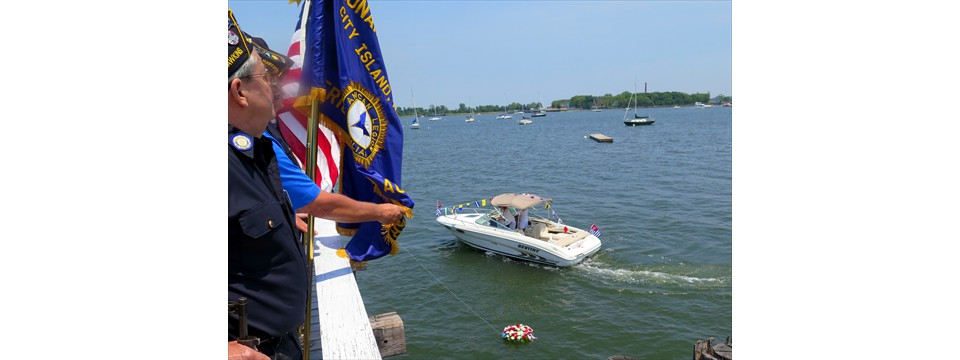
(416, 121)
(637, 119)
(504, 115)
(435, 117)
(539, 112)
(470, 118)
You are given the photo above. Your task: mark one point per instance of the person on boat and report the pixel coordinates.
(522, 220)
(508, 219)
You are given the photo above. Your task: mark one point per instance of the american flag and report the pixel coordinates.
(595, 230)
(293, 124)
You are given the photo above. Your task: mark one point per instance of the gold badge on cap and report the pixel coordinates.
(241, 142)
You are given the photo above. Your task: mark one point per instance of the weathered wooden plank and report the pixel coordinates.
(388, 330)
(705, 350)
(345, 331)
(723, 352)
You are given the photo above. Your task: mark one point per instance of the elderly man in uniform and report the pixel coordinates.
(304, 193)
(266, 260)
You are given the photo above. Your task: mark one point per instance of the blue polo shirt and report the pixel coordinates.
(298, 185)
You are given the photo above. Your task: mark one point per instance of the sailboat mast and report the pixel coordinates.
(415, 116)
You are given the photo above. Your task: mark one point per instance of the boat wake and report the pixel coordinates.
(599, 270)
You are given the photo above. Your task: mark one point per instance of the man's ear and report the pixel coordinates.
(237, 93)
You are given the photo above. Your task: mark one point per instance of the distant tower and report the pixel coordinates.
(644, 87)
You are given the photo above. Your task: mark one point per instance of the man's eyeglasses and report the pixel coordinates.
(266, 76)
(269, 76)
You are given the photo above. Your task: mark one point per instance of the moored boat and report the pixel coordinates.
(639, 120)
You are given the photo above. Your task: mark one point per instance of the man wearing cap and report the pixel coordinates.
(266, 261)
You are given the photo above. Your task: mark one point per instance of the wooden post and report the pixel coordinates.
(388, 330)
(705, 350)
(701, 350)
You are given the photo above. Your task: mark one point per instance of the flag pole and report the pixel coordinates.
(311, 169)
(312, 123)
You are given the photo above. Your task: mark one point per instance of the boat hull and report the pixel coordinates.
(638, 122)
(518, 246)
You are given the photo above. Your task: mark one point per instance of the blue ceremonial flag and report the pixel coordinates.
(345, 71)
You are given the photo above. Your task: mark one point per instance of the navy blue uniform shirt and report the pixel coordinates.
(266, 260)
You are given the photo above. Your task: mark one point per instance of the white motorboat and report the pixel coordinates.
(539, 239)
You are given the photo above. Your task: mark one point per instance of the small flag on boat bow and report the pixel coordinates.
(595, 230)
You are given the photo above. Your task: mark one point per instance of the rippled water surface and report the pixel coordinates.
(661, 195)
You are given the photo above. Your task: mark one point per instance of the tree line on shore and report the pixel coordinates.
(607, 101)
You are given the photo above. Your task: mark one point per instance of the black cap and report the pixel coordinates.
(273, 60)
(238, 49)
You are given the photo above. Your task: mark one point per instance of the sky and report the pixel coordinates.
(500, 52)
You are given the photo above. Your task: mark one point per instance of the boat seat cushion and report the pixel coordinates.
(537, 231)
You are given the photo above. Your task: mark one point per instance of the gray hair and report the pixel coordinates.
(246, 69)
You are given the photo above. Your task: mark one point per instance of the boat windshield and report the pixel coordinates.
(493, 219)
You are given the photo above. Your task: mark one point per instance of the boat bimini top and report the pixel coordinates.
(518, 201)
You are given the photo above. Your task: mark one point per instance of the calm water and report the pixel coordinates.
(661, 195)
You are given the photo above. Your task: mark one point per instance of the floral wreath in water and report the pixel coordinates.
(518, 333)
